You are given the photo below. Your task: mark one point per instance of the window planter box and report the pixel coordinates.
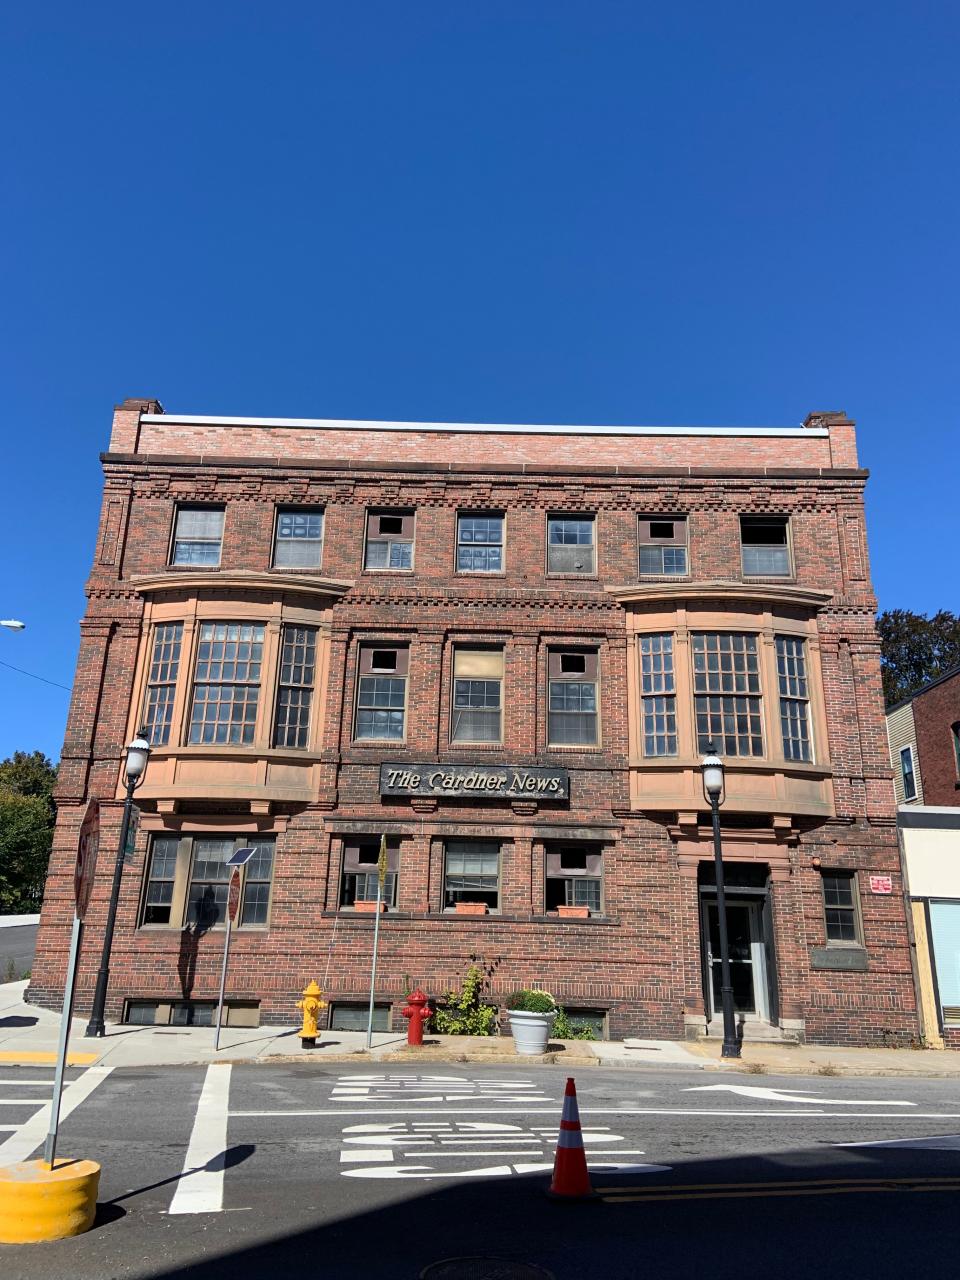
(471, 908)
(364, 904)
(573, 913)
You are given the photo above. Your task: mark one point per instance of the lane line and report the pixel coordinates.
(33, 1132)
(200, 1189)
(613, 1111)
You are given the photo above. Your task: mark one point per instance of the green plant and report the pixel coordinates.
(529, 1000)
(464, 1012)
(11, 974)
(564, 1029)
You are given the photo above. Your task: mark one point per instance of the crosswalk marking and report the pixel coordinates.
(30, 1135)
(200, 1189)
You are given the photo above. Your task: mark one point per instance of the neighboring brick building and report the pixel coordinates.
(505, 648)
(924, 736)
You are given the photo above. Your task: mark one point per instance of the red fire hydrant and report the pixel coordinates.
(418, 1014)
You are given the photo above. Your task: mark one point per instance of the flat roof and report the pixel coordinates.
(509, 428)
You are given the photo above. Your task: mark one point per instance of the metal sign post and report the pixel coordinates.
(236, 860)
(381, 877)
(87, 848)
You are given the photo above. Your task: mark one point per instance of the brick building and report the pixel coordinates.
(505, 648)
(924, 736)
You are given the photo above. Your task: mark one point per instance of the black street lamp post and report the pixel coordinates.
(712, 768)
(138, 753)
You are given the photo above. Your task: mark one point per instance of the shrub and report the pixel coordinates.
(564, 1029)
(529, 1001)
(464, 1012)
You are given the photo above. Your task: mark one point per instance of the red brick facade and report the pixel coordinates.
(639, 957)
(936, 717)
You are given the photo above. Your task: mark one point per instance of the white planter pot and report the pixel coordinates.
(531, 1031)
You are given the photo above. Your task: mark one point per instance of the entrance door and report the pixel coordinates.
(747, 968)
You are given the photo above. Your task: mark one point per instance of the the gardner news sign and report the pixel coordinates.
(507, 782)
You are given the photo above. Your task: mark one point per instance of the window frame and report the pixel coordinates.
(280, 686)
(782, 643)
(180, 508)
(663, 543)
(461, 650)
(288, 510)
(221, 683)
(554, 872)
(582, 517)
(350, 865)
(720, 737)
(451, 908)
(481, 515)
(955, 743)
(399, 539)
(654, 695)
(589, 676)
(366, 671)
(148, 719)
(773, 518)
(853, 879)
(182, 880)
(908, 751)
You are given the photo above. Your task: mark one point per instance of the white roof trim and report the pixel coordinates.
(346, 424)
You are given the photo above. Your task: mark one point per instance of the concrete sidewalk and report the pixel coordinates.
(28, 1034)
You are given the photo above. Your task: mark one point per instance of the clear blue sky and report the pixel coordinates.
(493, 211)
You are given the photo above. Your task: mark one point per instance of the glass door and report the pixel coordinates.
(746, 960)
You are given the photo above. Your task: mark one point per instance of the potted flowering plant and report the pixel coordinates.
(531, 1014)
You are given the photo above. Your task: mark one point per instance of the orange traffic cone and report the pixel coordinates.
(571, 1181)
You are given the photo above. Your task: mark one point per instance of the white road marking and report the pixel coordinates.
(200, 1189)
(373, 1155)
(794, 1095)
(12, 1080)
(20, 1102)
(8, 1128)
(32, 1133)
(427, 1174)
(296, 1114)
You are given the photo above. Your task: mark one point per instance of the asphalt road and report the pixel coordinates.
(17, 943)
(351, 1172)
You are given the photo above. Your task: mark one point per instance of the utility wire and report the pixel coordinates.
(55, 683)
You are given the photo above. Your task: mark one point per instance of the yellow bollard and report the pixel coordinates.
(311, 1004)
(38, 1202)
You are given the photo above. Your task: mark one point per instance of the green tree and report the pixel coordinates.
(27, 814)
(915, 649)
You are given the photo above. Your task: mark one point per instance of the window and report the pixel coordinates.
(794, 697)
(907, 773)
(226, 687)
(594, 1020)
(955, 739)
(381, 694)
(726, 685)
(477, 685)
(354, 1017)
(663, 546)
(358, 882)
(764, 547)
(158, 898)
(162, 682)
(197, 535)
(574, 878)
(840, 906)
(188, 879)
(570, 544)
(298, 662)
(389, 540)
(572, 699)
(471, 873)
(190, 1013)
(299, 539)
(479, 544)
(658, 696)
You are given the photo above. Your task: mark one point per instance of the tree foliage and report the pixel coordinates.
(27, 815)
(916, 649)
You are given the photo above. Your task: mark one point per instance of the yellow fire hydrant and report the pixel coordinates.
(311, 1004)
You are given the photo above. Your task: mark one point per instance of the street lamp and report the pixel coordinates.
(712, 769)
(138, 753)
